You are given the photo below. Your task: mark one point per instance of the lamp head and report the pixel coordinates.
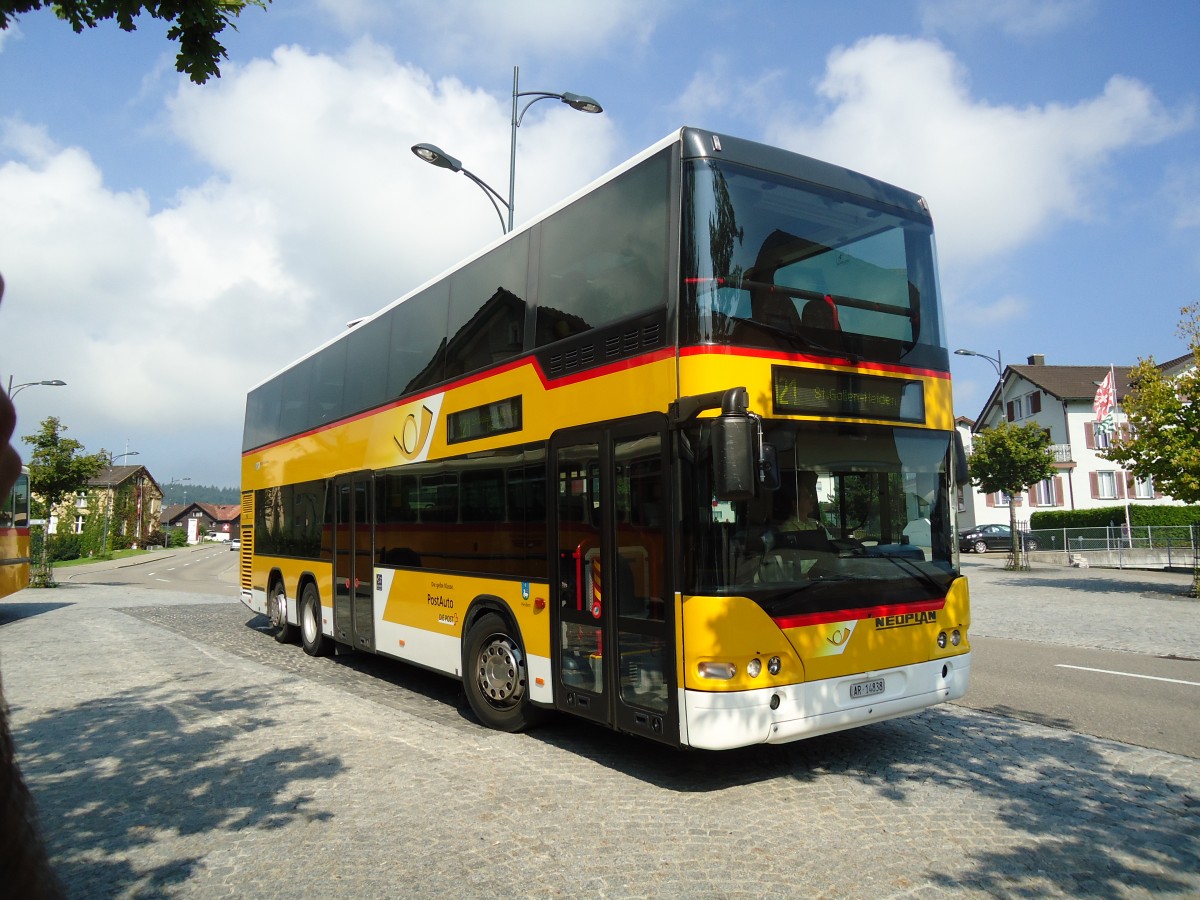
(582, 103)
(435, 156)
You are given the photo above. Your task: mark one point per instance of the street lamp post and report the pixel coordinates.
(13, 390)
(999, 367)
(437, 157)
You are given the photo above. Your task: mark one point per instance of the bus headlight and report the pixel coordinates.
(956, 637)
(754, 667)
(724, 671)
(774, 665)
(941, 640)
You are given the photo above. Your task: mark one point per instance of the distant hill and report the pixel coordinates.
(186, 492)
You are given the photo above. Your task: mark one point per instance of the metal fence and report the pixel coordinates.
(1137, 547)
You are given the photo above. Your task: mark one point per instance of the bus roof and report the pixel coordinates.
(696, 143)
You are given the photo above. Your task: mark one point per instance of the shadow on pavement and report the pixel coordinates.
(14, 612)
(114, 774)
(1077, 820)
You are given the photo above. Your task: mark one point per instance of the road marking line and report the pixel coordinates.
(1129, 675)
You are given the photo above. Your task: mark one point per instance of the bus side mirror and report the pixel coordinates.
(735, 436)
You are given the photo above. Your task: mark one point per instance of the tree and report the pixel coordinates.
(1163, 440)
(195, 24)
(1007, 459)
(58, 467)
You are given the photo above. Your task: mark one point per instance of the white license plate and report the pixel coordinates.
(866, 688)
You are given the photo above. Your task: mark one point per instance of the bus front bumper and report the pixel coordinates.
(721, 721)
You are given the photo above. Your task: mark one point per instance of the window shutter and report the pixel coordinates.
(1032, 494)
(1120, 486)
(1009, 410)
(1035, 402)
(1089, 436)
(1058, 490)
(990, 499)
(1094, 484)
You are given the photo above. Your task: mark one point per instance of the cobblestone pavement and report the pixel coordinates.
(176, 750)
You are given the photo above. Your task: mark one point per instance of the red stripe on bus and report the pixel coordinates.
(871, 612)
(723, 350)
(547, 384)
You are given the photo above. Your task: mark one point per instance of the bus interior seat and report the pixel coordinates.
(821, 314)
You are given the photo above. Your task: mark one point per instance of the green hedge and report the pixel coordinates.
(1104, 516)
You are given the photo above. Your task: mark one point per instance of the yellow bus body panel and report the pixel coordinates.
(736, 630)
(436, 602)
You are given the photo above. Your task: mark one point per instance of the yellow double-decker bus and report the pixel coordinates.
(677, 457)
(14, 536)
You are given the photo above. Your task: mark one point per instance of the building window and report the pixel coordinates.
(1001, 499)
(1102, 441)
(1045, 493)
(1143, 488)
(77, 525)
(1106, 485)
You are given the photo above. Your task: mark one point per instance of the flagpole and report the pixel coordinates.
(1117, 408)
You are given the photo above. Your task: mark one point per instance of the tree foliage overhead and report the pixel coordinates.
(1163, 442)
(1009, 458)
(58, 466)
(195, 24)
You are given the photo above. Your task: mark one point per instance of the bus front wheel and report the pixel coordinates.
(495, 676)
(277, 612)
(314, 641)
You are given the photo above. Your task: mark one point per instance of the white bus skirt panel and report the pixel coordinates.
(721, 721)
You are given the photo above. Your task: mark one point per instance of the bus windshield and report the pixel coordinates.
(861, 513)
(780, 264)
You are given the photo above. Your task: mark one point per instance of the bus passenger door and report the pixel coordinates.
(614, 648)
(353, 563)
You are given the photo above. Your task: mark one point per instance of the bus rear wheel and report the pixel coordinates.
(495, 676)
(277, 612)
(314, 641)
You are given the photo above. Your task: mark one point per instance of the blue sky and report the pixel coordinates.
(167, 246)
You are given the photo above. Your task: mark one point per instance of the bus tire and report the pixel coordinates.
(277, 612)
(314, 641)
(496, 677)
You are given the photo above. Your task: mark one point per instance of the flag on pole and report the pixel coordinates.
(1105, 398)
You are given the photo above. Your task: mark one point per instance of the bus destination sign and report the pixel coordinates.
(846, 395)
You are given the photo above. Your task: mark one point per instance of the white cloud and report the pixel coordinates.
(316, 213)
(721, 88)
(469, 29)
(995, 176)
(1016, 18)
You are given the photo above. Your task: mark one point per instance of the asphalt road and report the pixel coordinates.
(176, 750)
(1151, 700)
